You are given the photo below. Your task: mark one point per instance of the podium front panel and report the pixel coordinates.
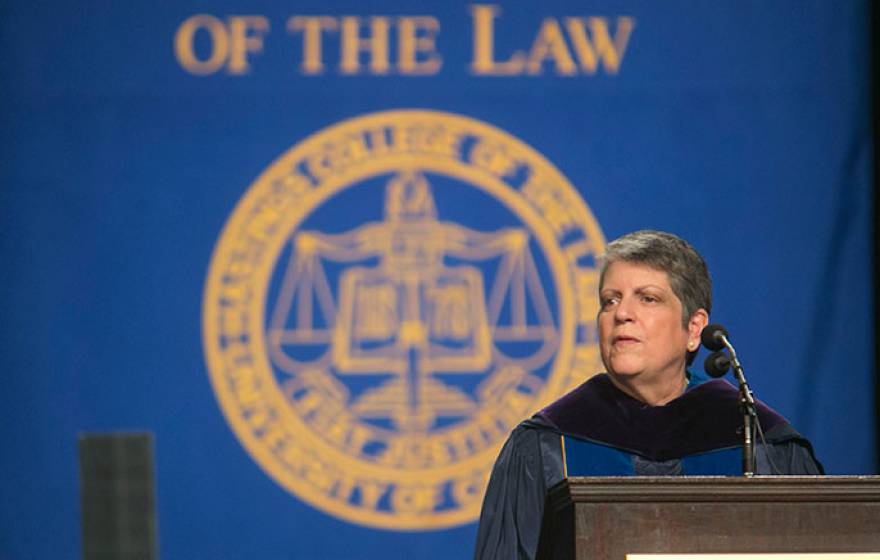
(610, 517)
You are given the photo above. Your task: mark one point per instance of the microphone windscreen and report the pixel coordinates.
(711, 337)
(716, 364)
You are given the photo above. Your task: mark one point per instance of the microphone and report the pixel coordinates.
(716, 364)
(713, 337)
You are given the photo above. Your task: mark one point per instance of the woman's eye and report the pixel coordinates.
(650, 299)
(608, 302)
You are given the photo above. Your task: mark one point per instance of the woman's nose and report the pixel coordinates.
(623, 311)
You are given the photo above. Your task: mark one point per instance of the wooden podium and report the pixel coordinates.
(609, 517)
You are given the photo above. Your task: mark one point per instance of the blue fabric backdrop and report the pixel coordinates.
(740, 126)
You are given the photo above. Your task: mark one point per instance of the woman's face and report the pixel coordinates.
(640, 330)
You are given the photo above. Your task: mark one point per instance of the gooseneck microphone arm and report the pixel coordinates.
(750, 412)
(714, 337)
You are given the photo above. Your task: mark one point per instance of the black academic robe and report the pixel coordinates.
(606, 432)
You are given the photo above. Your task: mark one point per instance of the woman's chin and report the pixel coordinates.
(624, 368)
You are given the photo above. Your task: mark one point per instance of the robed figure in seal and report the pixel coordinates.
(648, 414)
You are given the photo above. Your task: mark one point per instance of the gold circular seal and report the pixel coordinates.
(387, 301)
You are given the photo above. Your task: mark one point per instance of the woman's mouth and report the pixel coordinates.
(624, 340)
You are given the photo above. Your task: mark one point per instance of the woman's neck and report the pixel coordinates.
(655, 392)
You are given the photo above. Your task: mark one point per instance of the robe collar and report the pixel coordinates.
(707, 417)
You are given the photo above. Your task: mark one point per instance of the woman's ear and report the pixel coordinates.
(696, 324)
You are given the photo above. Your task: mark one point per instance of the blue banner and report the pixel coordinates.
(329, 253)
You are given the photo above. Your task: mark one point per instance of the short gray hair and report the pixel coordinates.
(686, 269)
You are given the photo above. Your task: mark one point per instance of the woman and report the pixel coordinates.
(647, 415)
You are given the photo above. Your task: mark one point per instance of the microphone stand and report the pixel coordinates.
(749, 410)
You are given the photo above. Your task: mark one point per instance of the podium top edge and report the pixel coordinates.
(718, 489)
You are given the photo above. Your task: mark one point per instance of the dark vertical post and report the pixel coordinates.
(118, 497)
(874, 32)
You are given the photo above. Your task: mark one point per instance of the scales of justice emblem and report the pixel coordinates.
(411, 315)
(374, 370)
